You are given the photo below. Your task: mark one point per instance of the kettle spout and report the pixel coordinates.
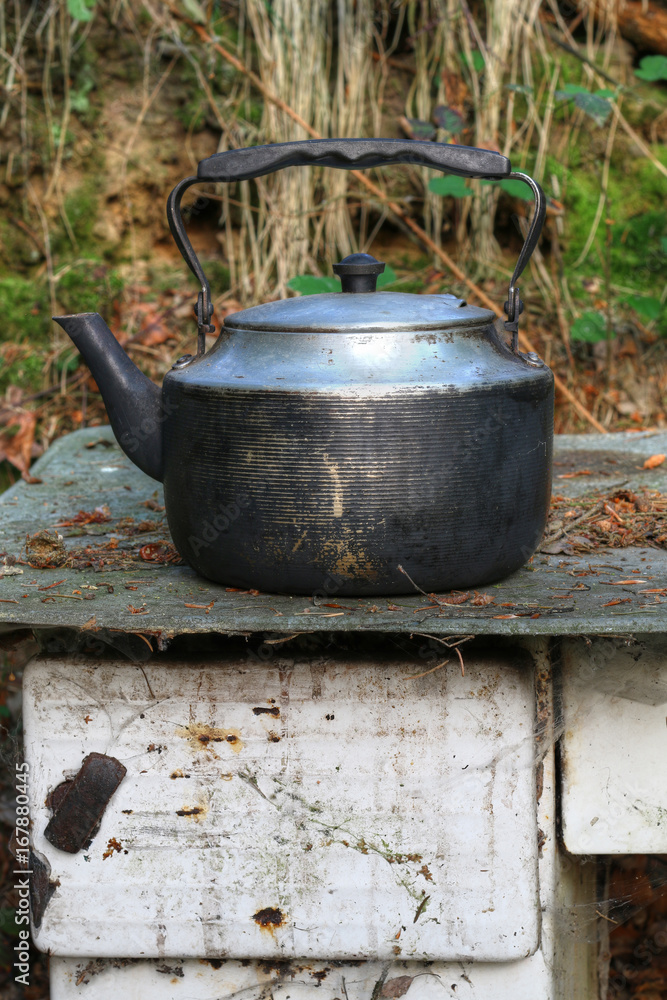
(133, 402)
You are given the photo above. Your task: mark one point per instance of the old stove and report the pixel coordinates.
(238, 794)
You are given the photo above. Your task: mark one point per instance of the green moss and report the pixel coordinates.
(218, 276)
(89, 287)
(636, 255)
(25, 310)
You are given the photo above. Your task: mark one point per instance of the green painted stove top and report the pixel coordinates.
(87, 470)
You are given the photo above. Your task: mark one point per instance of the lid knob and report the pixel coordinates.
(358, 272)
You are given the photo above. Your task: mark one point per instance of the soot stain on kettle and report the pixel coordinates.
(201, 736)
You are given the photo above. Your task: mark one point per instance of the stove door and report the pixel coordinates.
(614, 747)
(323, 809)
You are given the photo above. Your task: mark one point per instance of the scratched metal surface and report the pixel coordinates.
(329, 807)
(86, 469)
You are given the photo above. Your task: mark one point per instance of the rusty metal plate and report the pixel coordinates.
(329, 809)
(79, 803)
(614, 747)
(86, 470)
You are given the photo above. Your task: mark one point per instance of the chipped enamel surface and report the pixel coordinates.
(97, 979)
(614, 794)
(316, 809)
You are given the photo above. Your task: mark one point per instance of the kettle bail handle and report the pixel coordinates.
(513, 307)
(204, 308)
(350, 154)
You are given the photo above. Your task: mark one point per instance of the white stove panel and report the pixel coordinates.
(314, 809)
(614, 748)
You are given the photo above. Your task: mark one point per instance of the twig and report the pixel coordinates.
(563, 531)
(450, 645)
(603, 195)
(395, 209)
(584, 59)
(47, 246)
(414, 677)
(405, 573)
(556, 267)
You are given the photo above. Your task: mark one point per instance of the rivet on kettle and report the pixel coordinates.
(183, 361)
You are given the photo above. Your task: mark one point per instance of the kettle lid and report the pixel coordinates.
(358, 308)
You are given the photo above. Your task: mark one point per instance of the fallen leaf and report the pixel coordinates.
(397, 987)
(654, 461)
(621, 583)
(162, 552)
(617, 600)
(453, 598)
(17, 447)
(573, 475)
(481, 600)
(98, 516)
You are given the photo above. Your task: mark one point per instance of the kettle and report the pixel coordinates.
(344, 443)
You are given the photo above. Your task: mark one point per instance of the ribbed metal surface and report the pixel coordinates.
(315, 492)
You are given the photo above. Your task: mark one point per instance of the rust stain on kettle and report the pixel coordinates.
(201, 736)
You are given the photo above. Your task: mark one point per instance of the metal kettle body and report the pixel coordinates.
(321, 462)
(341, 444)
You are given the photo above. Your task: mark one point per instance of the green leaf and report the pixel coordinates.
(478, 62)
(195, 11)
(420, 129)
(645, 306)
(652, 68)
(448, 119)
(597, 108)
(591, 327)
(570, 89)
(81, 10)
(79, 102)
(449, 186)
(387, 276)
(663, 244)
(517, 189)
(310, 284)
(605, 93)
